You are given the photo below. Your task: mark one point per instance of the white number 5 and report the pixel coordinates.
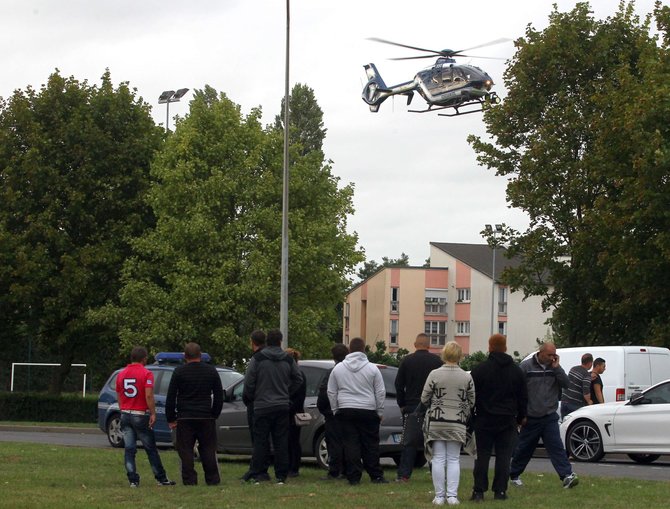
(129, 388)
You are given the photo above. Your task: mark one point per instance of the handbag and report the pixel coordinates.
(302, 419)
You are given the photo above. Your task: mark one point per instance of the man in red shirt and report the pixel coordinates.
(135, 390)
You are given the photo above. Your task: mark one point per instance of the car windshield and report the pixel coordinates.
(388, 374)
(229, 377)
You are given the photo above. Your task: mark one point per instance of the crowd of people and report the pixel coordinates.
(500, 407)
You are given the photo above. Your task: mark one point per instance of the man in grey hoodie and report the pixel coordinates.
(272, 376)
(356, 393)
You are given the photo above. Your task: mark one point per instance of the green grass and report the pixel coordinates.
(34, 475)
(51, 424)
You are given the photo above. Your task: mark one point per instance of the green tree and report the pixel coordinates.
(563, 139)
(74, 164)
(381, 356)
(210, 269)
(371, 266)
(306, 119)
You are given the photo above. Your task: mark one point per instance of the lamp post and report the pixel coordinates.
(492, 232)
(283, 298)
(170, 96)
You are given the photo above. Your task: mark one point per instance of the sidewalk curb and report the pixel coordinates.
(49, 429)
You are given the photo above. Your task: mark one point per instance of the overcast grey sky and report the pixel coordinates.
(415, 176)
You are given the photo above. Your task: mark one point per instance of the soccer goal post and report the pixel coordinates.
(14, 364)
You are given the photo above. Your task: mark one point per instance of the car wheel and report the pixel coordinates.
(644, 458)
(321, 450)
(114, 434)
(584, 442)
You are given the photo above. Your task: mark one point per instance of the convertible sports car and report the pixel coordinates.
(637, 427)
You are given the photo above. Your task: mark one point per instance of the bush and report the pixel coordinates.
(38, 407)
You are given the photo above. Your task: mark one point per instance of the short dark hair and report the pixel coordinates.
(138, 354)
(192, 350)
(598, 362)
(357, 345)
(339, 352)
(274, 337)
(587, 358)
(258, 337)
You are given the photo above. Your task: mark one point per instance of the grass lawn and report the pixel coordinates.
(34, 475)
(51, 424)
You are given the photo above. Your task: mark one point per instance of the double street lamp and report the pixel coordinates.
(170, 96)
(492, 232)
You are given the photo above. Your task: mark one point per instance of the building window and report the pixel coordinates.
(346, 339)
(435, 302)
(502, 300)
(394, 332)
(395, 300)
(462, 328)
(346, 310)
(437, 331)
(463, 294)
(502, 328)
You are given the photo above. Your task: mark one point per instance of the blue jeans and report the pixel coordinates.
(136, 427)
(547, 428)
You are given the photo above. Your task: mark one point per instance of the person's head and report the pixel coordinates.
(599, 366)
(357, 345)
(139, 354)
(587, 360)
(498, 343)
(546, 354)
(192, 352)
(339, 352)
(422, 342)
(452, 352)
(274, 337)
(293, 353)
(257, 339)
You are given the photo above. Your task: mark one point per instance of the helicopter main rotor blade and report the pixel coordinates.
(460, 55)
(384, 41)
(490, 43)
(413, 58)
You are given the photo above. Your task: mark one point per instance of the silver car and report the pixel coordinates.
(233, 429)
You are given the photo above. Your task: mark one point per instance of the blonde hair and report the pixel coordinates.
(452, 352)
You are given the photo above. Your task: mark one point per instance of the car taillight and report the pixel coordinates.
(621, 394)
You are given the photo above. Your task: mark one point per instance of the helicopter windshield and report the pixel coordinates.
(453, 75)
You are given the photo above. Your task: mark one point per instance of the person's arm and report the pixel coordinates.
(598, 389)
(333, 387)
(217, 394)
(171, 402)
(151, 405)
(561, 375)
(380, 392)
(400, 386)
(586, 388)
(249, 392)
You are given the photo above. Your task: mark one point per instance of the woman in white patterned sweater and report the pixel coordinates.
(449, 395)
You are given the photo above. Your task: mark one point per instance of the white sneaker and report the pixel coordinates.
(570, 481)
(516, 482)
(438, 501)
(452, 501)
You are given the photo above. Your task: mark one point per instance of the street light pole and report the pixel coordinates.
(283, 302)
(493, 232)
(170, 96)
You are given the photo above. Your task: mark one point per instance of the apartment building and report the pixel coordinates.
(456, 298)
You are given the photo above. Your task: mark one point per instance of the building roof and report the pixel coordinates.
(479, 256)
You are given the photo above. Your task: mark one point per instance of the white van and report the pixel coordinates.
(629, 368)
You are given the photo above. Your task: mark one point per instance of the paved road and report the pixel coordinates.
(614, 465)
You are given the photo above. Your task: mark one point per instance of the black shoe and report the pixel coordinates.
(281, 480)
(477, 496)
(379, 480)
(166, 482)
(500, 495)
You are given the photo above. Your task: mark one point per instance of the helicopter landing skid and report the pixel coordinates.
(479, 102)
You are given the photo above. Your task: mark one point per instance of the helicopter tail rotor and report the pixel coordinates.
(375, 90)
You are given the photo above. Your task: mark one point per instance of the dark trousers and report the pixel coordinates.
(412, 443)
(499, 433)
(335, 446)
(294, 448)
(204, 431)
(547, 428)
(360, 433)
(273, 424)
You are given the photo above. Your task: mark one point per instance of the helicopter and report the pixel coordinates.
(445, 84)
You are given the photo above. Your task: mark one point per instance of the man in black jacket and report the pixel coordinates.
(501, 396)
(334, 441)
(409, 382)
(194, 401)
(272, 376)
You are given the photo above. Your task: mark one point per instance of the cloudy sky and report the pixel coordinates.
(416, 177)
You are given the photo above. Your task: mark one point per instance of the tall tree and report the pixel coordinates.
(563, 139)
(74, 163)
(305, 118)
(209, 271)
(371, 266)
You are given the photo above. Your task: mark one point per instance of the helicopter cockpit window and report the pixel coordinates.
(458, 75)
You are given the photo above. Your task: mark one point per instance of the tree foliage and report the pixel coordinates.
(74, 163)
(381, 356)
(210, 269)
(370, 267)
(583, 139)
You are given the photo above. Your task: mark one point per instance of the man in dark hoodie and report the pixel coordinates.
(500, 405)
(272, 376)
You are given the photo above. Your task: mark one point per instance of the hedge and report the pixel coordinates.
(38, 407)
